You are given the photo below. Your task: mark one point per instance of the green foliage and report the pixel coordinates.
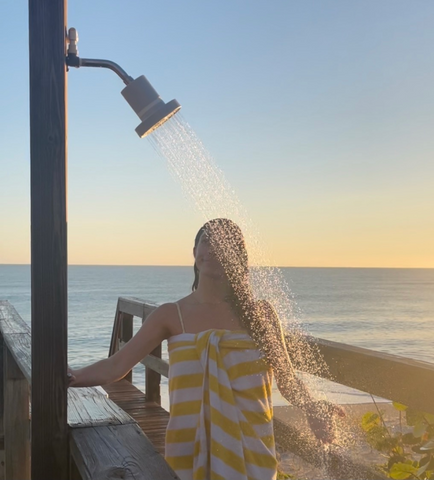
(402, 471)
(409, 455)
(284, 476)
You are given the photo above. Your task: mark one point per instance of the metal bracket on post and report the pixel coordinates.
(73, 60)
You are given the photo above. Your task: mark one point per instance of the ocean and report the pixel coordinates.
(389, 310)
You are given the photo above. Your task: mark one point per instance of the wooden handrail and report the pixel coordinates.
(397, 378)
(105, 442)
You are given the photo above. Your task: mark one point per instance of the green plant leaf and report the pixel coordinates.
(395, 459)
(401, 471)
(399, 406)
(369, 421)
(377, 438)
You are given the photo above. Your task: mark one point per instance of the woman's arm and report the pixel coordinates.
(274, 346)
(153, 331)
(319, 413)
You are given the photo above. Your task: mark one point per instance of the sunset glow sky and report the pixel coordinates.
(319, 113)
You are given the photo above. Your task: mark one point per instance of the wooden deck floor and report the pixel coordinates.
(150, 416)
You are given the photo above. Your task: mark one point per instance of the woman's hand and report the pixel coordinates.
(321, 418)
(72, 379)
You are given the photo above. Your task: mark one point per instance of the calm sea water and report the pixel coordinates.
(390, 310)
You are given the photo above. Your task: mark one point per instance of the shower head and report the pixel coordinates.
(146, 102)
(139, 93)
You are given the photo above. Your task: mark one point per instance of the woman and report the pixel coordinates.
(224, 347)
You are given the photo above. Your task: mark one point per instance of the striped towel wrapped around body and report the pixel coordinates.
(221, 413)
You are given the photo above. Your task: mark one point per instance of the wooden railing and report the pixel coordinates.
(404, 380)
(126, 309)
(401, 379)
(105, 442)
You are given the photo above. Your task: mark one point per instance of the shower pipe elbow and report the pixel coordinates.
(73, 60)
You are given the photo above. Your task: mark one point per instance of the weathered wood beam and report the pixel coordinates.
(48, 144)
(16, 421)
(19, 347)
(105, 453)
(88, 407)
(10, 320)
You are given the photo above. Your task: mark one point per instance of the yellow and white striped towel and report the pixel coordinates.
(220, 425)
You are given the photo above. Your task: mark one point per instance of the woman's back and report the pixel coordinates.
(220, 404)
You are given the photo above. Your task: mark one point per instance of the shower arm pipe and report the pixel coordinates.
(75, 61)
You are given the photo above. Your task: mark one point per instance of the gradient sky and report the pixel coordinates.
(320, 114)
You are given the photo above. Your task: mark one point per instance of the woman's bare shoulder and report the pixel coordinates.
(163, 314)
(170, 307)
(167, 314)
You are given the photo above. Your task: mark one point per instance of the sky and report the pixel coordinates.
(320, 114)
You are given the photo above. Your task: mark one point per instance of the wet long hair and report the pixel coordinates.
(258, 317)
(229, 247)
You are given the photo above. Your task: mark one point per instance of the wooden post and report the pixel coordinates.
(127, 335)
(47, 27)
(2, 397)
(2, 404)
(114, 342)
(16, 422)
(153, 379)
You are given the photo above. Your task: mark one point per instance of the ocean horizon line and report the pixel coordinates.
(264, 266)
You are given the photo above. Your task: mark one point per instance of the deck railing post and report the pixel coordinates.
(16, 421)
(153, 379)
(127, 335)
(2, 404)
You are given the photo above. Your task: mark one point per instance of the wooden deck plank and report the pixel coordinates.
(151, 417)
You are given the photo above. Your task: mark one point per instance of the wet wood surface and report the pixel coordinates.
(151, 417)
